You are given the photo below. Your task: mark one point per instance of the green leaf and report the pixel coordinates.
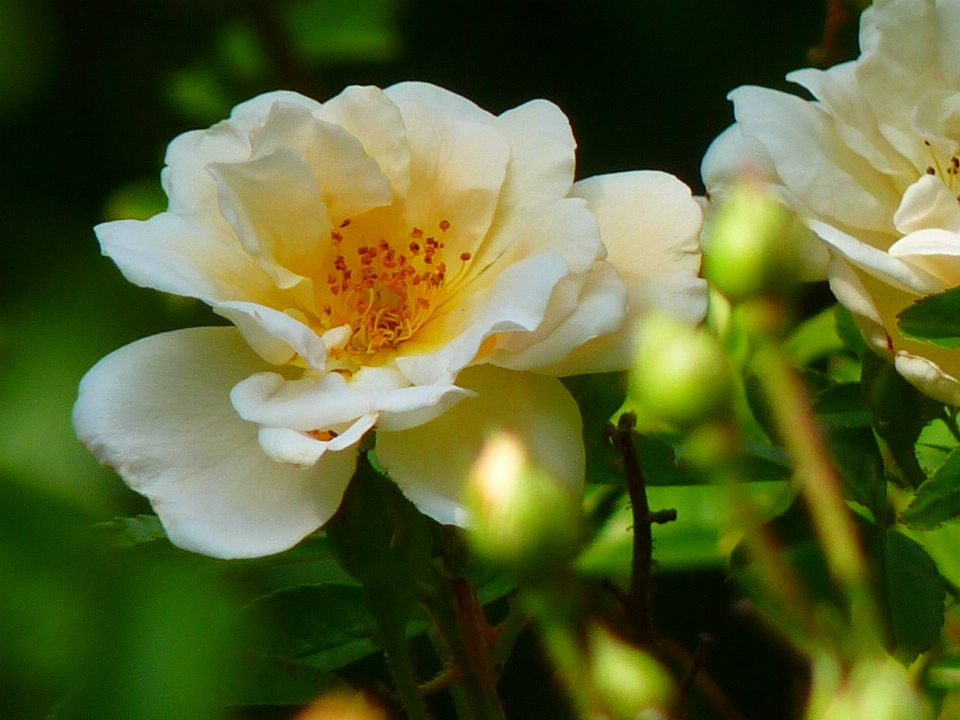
(815, 338)
(322, 626)
(938, 499)
(856, 456)
(901, 413)
(144, 530)
(273, 681)
(848, 331)
(914, 593)
(378, 536)
(124, 532)
(598, 397)
(841, 405)
(933, 319)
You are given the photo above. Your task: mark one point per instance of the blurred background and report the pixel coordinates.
(91, 93)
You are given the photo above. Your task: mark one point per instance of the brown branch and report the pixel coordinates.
(638, 600)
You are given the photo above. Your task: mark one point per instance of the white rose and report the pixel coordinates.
(399, 260)
(872, 167)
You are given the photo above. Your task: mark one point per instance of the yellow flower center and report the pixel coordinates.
(384, 291)
(949, 173)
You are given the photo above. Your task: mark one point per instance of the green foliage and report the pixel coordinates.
(901, 413)
(914, 595)
(327, 31)
(324, 627)
(933, 319)
(938, 500)
(97, 633)
(378, 535)
(598, 397)
(815, 338)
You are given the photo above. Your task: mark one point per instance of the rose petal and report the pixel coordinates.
(813, 161)
(586, 341)
(350, 181)
(453, 106)
(170, 254)
(935, 251)
(296, 448)
(431, 462)
(325, 401)
(457, 169)
(927, 204)
(273, 203)
(878, 263)
(928, 377)
(158, 411)
(650, 225)
(371, 117)
(274, 335)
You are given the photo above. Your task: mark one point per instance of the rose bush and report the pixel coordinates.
(873, 168)
(395, 259)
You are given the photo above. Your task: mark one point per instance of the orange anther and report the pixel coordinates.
(464, 257)
(416, 233)
(444, 225)
(323, 435)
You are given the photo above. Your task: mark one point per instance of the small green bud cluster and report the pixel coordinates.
(680, 374)
(522, 519)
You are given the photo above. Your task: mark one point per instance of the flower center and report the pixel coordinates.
(385, 291)
(949, 173)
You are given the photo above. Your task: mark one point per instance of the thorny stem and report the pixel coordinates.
(638, 595)
(819, 482)
(457, 613)
(396, 650)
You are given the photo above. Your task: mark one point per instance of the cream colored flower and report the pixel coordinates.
(872, 166)
(399, 260)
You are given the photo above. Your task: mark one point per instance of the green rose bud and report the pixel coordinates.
(631, 683)
(752, 247)
(522, 519)
(680, 375)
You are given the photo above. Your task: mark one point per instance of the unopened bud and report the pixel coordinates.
(680, 374)
(343, 705)
(874, 689)
(521, 517)
(752, 247)
(631, 683)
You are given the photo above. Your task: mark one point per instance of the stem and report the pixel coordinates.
(459, 617)
(819, 482)
(396, 649)
(638, 596)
